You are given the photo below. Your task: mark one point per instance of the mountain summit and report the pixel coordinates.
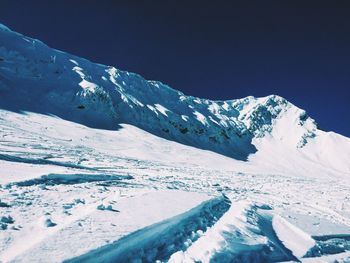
(35, 77)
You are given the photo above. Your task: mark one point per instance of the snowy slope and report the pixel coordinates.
(87, 182)
(89, 154)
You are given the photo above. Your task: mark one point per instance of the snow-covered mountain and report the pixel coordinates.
(37, 78)
(80, 139)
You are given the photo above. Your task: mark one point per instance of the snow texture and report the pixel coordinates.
(99, 164)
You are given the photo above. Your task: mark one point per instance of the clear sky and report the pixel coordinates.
(213, 49)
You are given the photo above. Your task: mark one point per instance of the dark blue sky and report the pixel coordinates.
(213, 49)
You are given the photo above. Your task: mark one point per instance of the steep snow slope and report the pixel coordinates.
(72, 191)
(37, 78)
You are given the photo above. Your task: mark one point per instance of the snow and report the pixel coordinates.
(200, 117)
(229, 238)
(184, 117)
(339, 258)
(161, 109)
(99, 161)
(16, 172)
(111, 166)
(74, 62)
(78, 70)
(152, 109)
(292, 237)
(158, 240)
(87, 85)
(3, 27)
(129, 162)
(131, 215)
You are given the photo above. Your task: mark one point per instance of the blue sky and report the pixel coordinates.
(214, 49)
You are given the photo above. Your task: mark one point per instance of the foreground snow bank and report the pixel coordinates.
(160, 240)
(292, 237)
(86, 227)
(234, 238)
(248, 232)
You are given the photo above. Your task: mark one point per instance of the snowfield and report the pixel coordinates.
(100, 165)
(73, 191)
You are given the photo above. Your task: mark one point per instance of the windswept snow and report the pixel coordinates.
(160, 240)
(60, 182)
(296, 240)
(84, 226)
(100, 164)
(235, 235)
(54, 179)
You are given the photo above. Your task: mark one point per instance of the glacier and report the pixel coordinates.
(100, 165)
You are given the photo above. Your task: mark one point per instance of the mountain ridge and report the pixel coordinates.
(35, 77)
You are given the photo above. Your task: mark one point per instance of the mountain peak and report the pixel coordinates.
(37, 78)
